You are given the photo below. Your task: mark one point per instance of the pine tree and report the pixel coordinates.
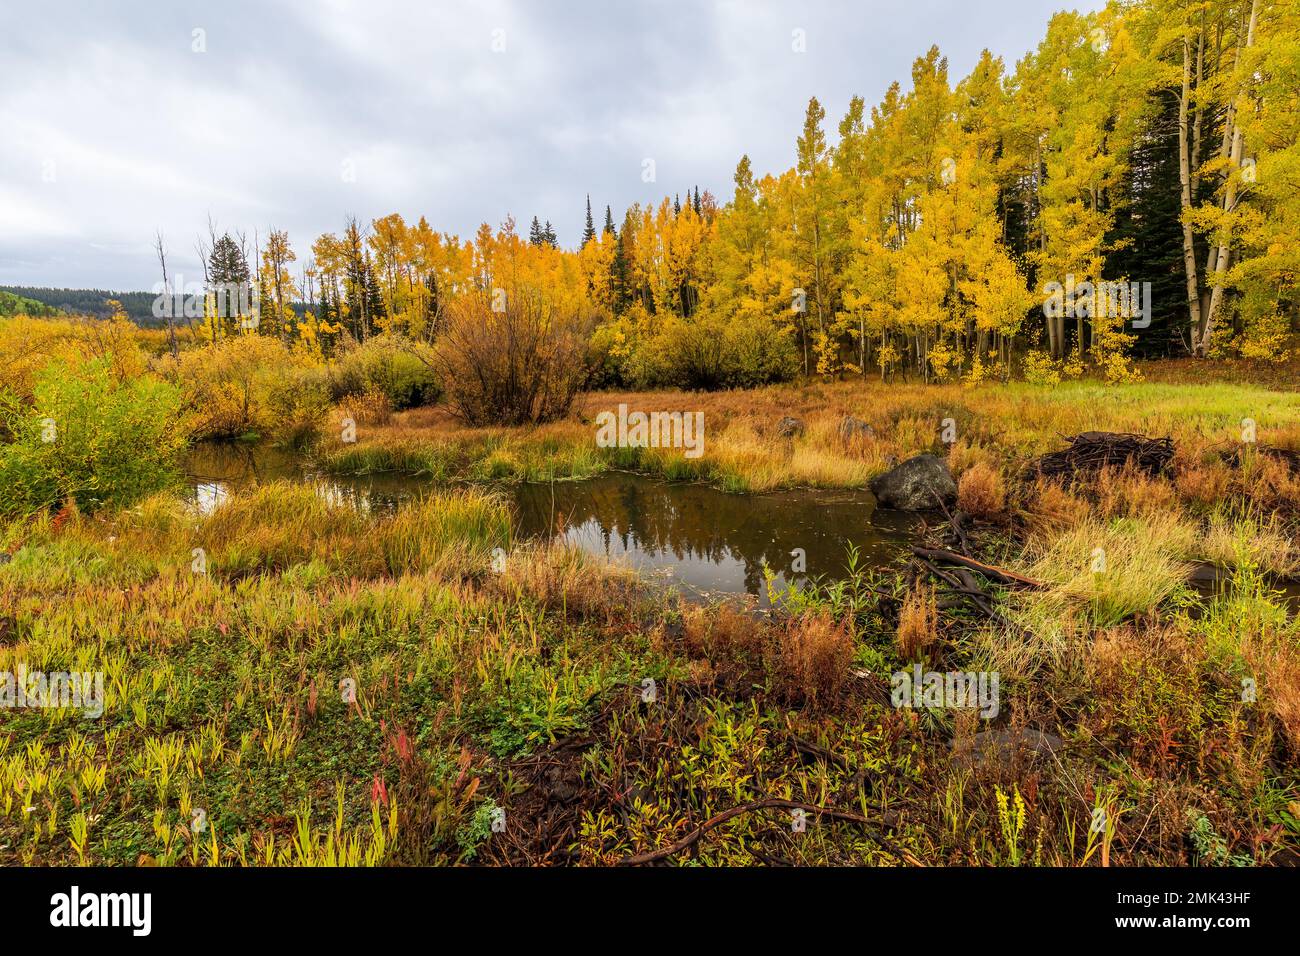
(228, 279)
(374, 294)
(356, 283)
(549, 237)
(589, 233)
(535, 235)
(609, 223)
(1146, 242)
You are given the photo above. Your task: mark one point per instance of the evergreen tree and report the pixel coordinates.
(228, 279)
(549, 237)
(609, 222)
(374, 294)
(535, 235)
(356, 283)
(589, 233)
(1146, 240)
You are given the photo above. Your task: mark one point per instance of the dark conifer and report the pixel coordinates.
(589, 233)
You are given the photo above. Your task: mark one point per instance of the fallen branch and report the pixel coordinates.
(1001, 575)
(769, 803)
(957, 532)
(965, 586)
(806, 747)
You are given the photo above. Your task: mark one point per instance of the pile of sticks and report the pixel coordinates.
(1089, 452)
(1289, 456)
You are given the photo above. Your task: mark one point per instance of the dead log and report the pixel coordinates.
(1000, 575)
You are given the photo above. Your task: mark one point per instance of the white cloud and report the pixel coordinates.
(146, 134)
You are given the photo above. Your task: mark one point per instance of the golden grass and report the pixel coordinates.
(918, 623)
(1263, 542)
(744, 452)
(1114, 569)
(981, 492)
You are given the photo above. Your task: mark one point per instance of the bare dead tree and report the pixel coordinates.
(167, 291)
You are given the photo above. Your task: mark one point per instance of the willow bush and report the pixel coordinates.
(88, 436)
(517, 360)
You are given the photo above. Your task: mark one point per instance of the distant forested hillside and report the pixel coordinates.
(14, 304)
(138, 305)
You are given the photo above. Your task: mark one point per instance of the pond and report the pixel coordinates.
(705, 541)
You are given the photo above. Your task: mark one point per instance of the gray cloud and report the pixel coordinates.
(115, 127)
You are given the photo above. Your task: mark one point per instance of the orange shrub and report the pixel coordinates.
(981, 491)
(918, 623)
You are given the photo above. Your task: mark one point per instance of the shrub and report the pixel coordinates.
(227, 385)
(27, 345)
(710, 351)
(981, 492)
(389, 364)
(1039, 369)
(522, 364)
(609, 354)
(298, 405)
(251, 385)
(90, 437)
(687, 353)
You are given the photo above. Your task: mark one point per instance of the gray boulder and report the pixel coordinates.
(1005, 747)
(789, 427)
(917, 484)
(851, 428)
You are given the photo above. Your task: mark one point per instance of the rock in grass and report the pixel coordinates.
(789, 427)
(851, 428)
(1004, 747)
(917, 484)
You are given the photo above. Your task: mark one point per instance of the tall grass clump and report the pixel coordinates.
(278, 524)
(451, 526)
(1119, 568)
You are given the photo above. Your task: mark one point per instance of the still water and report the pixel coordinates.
(706, 542)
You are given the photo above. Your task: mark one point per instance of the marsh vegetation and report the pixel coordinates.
(354, 674)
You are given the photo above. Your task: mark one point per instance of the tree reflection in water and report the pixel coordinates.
(713, 541)
(705, 540)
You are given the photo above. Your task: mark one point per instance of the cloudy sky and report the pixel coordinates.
(121, 119)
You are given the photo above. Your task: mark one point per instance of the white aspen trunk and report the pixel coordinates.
(1229, 196)
(1185, 181)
